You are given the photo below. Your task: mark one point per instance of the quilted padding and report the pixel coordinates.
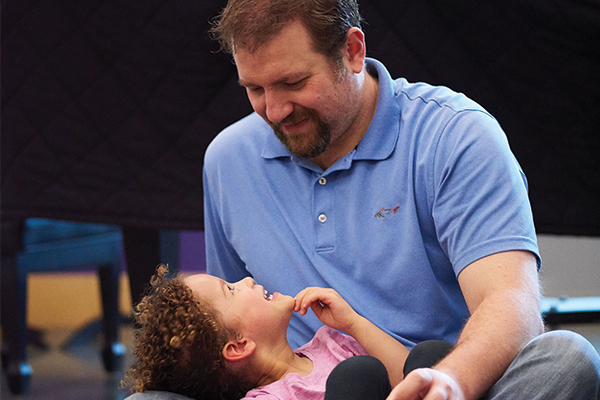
(107, 107)
(532, 64)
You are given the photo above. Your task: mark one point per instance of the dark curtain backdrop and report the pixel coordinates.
(108, 106)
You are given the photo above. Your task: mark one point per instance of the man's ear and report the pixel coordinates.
(356, 49)
(236, 350)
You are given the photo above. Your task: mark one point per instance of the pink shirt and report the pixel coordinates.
(326, 349)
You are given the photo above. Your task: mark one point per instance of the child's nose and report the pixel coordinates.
(248, 281)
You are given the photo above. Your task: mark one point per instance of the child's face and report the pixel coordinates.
(245, 302)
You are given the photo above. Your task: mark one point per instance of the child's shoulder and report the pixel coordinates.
(332, 341)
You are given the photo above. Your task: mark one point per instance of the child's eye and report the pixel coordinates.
(230, 288)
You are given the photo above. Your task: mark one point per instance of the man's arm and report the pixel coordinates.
(502, 293)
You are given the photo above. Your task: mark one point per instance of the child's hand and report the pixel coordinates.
(328, 306)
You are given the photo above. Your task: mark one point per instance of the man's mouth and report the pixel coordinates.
(293, 125)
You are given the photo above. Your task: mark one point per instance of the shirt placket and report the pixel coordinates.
(323, 213)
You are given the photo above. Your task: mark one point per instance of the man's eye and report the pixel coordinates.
(230, 288)
(295, 84)
(253, 89)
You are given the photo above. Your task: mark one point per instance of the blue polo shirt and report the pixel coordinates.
(431, 188)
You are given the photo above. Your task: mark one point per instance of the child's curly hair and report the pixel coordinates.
(179, 342)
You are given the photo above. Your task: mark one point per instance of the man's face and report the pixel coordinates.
(309, 102)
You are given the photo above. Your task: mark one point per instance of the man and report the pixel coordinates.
(405, 198)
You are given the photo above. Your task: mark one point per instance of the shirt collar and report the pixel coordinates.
(381, 137)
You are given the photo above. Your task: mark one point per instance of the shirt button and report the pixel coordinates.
(322, 218)
(322, 181)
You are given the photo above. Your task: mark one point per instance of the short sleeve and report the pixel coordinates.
(479, 192)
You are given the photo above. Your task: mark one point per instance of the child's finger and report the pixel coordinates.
(319, 297)
(314, 297)
(300, 301)
(305, 299)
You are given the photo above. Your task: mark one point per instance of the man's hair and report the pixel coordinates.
(179, 344)
(248, 24)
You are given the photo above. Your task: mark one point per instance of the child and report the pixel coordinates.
(208, 339)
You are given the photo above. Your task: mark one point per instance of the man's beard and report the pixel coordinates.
(295, 143)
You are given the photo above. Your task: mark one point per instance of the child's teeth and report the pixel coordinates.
(267, 295)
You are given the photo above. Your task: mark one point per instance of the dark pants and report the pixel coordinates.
(365, 377)
(360, 378)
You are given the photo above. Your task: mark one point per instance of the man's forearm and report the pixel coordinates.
(502, 293)
(499, 328)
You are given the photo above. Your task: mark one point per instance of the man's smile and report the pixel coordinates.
(294, 126)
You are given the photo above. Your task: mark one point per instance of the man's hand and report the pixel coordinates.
(426, 384)
(328, 306)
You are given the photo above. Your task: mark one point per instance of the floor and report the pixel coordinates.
(75, 372)
(71, 368)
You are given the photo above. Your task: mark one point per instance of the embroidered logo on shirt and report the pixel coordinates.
(384, 211)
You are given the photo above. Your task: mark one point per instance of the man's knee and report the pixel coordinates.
(568, 349)
(569, 356)
(555, 365)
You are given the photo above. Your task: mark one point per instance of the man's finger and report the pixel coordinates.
(414, 386)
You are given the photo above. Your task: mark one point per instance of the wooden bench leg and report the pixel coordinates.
(113, 351)
(14, 329)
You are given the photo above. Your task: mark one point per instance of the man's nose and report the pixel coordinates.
(277, 106)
